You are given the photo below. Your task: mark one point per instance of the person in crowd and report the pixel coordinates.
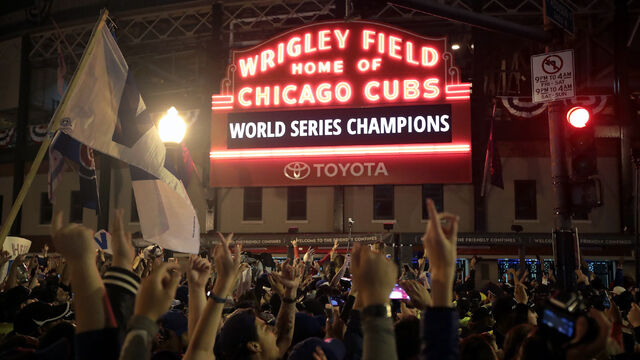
(78, 303)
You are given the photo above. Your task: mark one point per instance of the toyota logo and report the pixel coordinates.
(297, 170)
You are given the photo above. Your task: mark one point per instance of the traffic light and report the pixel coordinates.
(582, 143)
(586, 191)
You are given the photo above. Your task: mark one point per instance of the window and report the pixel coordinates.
(434, 192)
(383, 202)
(134, 210)
(525, 199)
(297, 203)
(252, 204)
(75, 210)
(46, 209)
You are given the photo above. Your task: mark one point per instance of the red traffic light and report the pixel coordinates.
(578, 116)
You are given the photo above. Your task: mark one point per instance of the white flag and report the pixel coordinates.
(105, 111)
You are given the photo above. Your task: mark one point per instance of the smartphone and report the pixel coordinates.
(398, 293)
(336, 301)
(606, 300)
(561, 323)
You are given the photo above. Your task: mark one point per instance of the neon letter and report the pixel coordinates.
(296, 68)
(431, 88)
(411, 89)
(410, 54)
(307, 44)
(306, 94)
(280, 53)
(394, 47)
(241, 99)
(343, 91)
(375, 63)
(363, 65)
(338, 66)
(266, 59)
(293, 47)
(323, 93)
(429, 56)
(310, 67)
(323, 40)
(248, 67)
(342, 38)
(385, 90)
(262, 95)
(285, 94)
(367, 38)
(367, 91)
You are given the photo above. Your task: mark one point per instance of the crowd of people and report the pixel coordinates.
(229, 304)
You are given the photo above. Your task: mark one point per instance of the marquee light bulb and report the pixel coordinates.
(455, 47)
(172, 127)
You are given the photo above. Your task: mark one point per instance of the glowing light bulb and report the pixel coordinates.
(172, 127)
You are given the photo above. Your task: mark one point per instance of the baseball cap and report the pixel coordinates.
(619, 290)
(306, 326)
(334, 349)
(174, 320)
(237, 331)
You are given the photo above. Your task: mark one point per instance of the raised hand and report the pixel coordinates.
(289, 280)
(123, 250)
(157, 291)
(439, 241)
(227, 266)
(373, 275)
(419, 295)
(198, 272)
(634, 315)
(337, 328)
(308, 256)
(520, 293)
(73, 241)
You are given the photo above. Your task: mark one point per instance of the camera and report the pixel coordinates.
(559, 319)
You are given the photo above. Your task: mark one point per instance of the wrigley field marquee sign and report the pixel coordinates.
(336, 103)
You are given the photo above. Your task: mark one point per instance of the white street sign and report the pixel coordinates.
(552, 76)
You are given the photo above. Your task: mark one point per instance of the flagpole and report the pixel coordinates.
(54, 125)
(488, 154)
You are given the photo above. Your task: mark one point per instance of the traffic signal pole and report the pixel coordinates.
(564, 245)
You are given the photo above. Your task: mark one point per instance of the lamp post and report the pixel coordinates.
(172, 129)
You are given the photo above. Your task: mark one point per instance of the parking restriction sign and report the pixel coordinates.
(552, 76)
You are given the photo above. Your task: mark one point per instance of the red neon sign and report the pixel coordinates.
(342, 74)
(344, 150)
(342, 64)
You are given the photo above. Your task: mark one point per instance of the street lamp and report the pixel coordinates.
(172, 127)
